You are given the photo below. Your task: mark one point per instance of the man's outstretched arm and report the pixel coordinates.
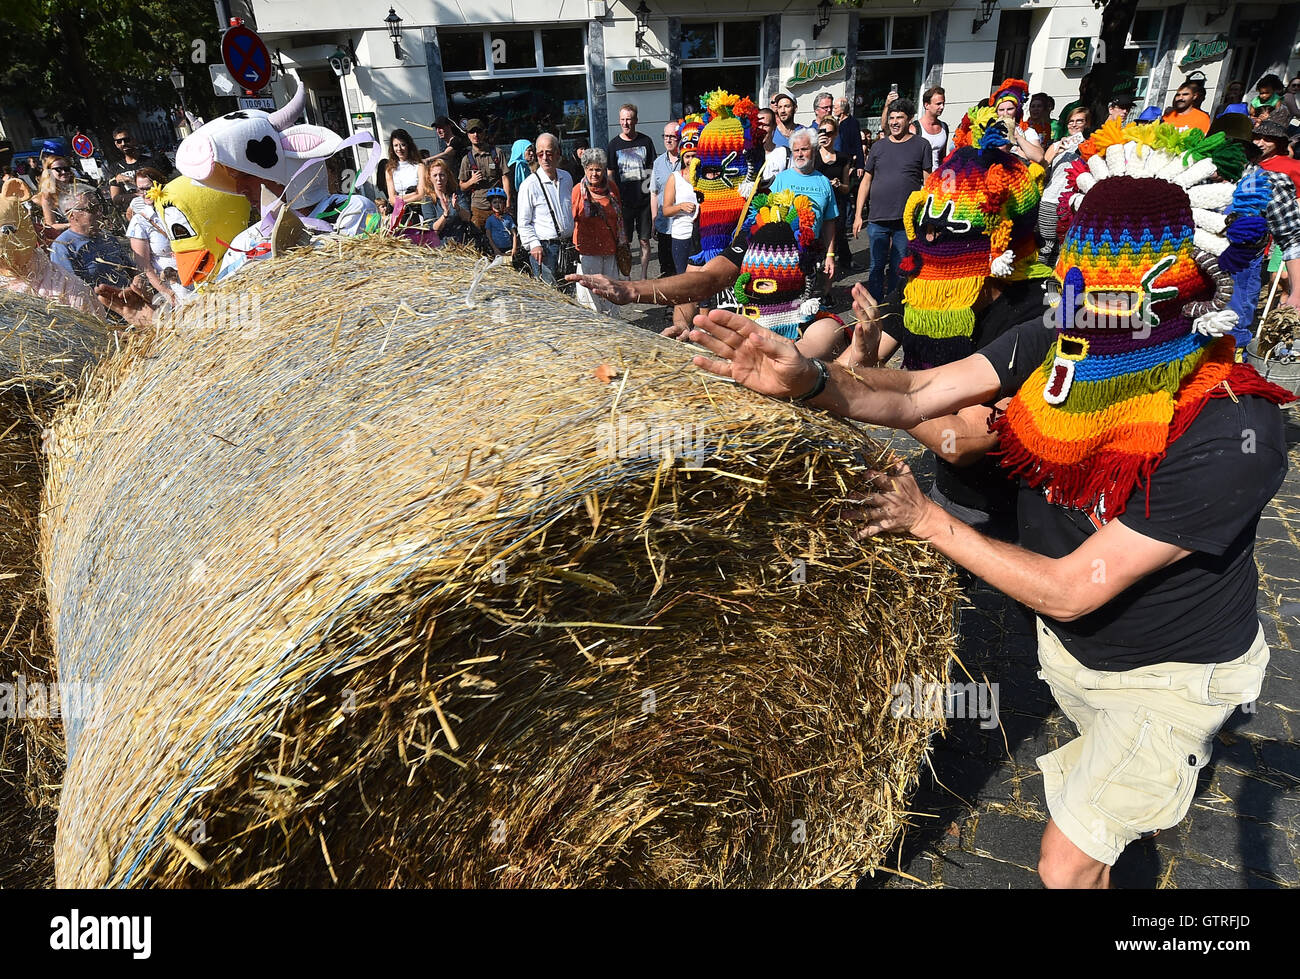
(768, 364)
(1065, 588)
(689, 287)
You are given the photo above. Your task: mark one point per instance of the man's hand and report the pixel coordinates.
(864, 349)
(677, 332)
(857, 226)
(127, 303)
(1292, 299)
(894, 505)
(619, 293)
(536, 252)
(891, 98)
(757, 358)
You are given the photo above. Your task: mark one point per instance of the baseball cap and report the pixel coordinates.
(475, 124)
(1150, 114)
(785, 95)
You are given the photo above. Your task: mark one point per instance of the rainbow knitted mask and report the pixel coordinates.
(722, 174)
(1139, 348)
(975, 217)
(773, 288)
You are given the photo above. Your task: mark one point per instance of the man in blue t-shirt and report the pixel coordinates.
(87, 253)
(803, 179)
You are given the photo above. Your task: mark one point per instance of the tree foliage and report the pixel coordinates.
(80, 61)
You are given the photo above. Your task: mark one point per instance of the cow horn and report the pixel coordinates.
(285, 116)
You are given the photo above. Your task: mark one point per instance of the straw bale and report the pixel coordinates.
(366, 599)
(44, 349)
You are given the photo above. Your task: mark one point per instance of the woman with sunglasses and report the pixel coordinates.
(835, 168)
(57, 191)
(1059, 156)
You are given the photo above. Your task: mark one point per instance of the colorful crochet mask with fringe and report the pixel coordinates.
(774, 289)
(1129, 371)
(975, 217)
(721, 173)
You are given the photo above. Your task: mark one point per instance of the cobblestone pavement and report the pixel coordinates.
(979, 811)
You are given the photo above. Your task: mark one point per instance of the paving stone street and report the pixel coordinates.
(979, 812)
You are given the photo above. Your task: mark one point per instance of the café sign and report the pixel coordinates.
(807, 71)
(1204, 52)
(641, 73)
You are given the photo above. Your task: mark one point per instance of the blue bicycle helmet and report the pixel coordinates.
(492, 192)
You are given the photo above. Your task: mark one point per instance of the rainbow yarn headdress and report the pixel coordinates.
(721, 174)
(775, 284)
(1143, 320)
(976, 216)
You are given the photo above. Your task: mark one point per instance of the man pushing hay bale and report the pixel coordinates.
(403, 578)
(44, 349)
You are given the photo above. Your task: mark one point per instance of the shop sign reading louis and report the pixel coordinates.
(641, 73)
(807, 71)
(1203, 52)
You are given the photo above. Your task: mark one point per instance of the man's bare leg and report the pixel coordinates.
(1061, 864)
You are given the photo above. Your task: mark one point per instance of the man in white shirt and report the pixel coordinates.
(666, 164)
(545, 209)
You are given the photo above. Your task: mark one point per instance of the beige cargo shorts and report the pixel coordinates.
(1144, 735)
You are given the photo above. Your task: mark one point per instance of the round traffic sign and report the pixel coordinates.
(82, 146)
(246, 57)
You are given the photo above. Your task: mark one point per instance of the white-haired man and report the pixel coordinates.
(545, 209)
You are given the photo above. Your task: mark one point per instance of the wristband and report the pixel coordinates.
(823, 376)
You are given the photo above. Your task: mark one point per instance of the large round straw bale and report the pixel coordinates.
(44, 349)
(362, 596)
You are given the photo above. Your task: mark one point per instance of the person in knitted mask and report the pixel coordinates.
(1146, 456)
(721, 174)
(974, 218)
(775, 284)
(973, 275)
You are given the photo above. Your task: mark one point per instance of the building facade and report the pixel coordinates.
(567, 65)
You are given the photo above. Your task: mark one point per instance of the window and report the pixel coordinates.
(1143, 46)
(722, 55)
(1012, 56)
(522, 81)
(891, 51)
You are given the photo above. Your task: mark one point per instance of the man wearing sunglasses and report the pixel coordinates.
(121, 174)
(481, 169)
(85, 251)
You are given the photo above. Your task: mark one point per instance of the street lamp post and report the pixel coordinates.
(394, 25)
(178, 82)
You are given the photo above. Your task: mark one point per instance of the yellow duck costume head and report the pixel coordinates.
(201, 223)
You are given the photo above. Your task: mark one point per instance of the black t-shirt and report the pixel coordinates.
(1205, 496)
(124, 172)
(983, 485)
(633, 162)
(833, 170)
(897, 169)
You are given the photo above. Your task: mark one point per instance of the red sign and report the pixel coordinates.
(82, 146)
(246, 57)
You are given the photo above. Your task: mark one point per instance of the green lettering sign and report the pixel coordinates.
(807, 71)
(641, 73)
(1204, 52)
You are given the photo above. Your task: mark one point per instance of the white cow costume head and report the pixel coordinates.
(223, 153)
